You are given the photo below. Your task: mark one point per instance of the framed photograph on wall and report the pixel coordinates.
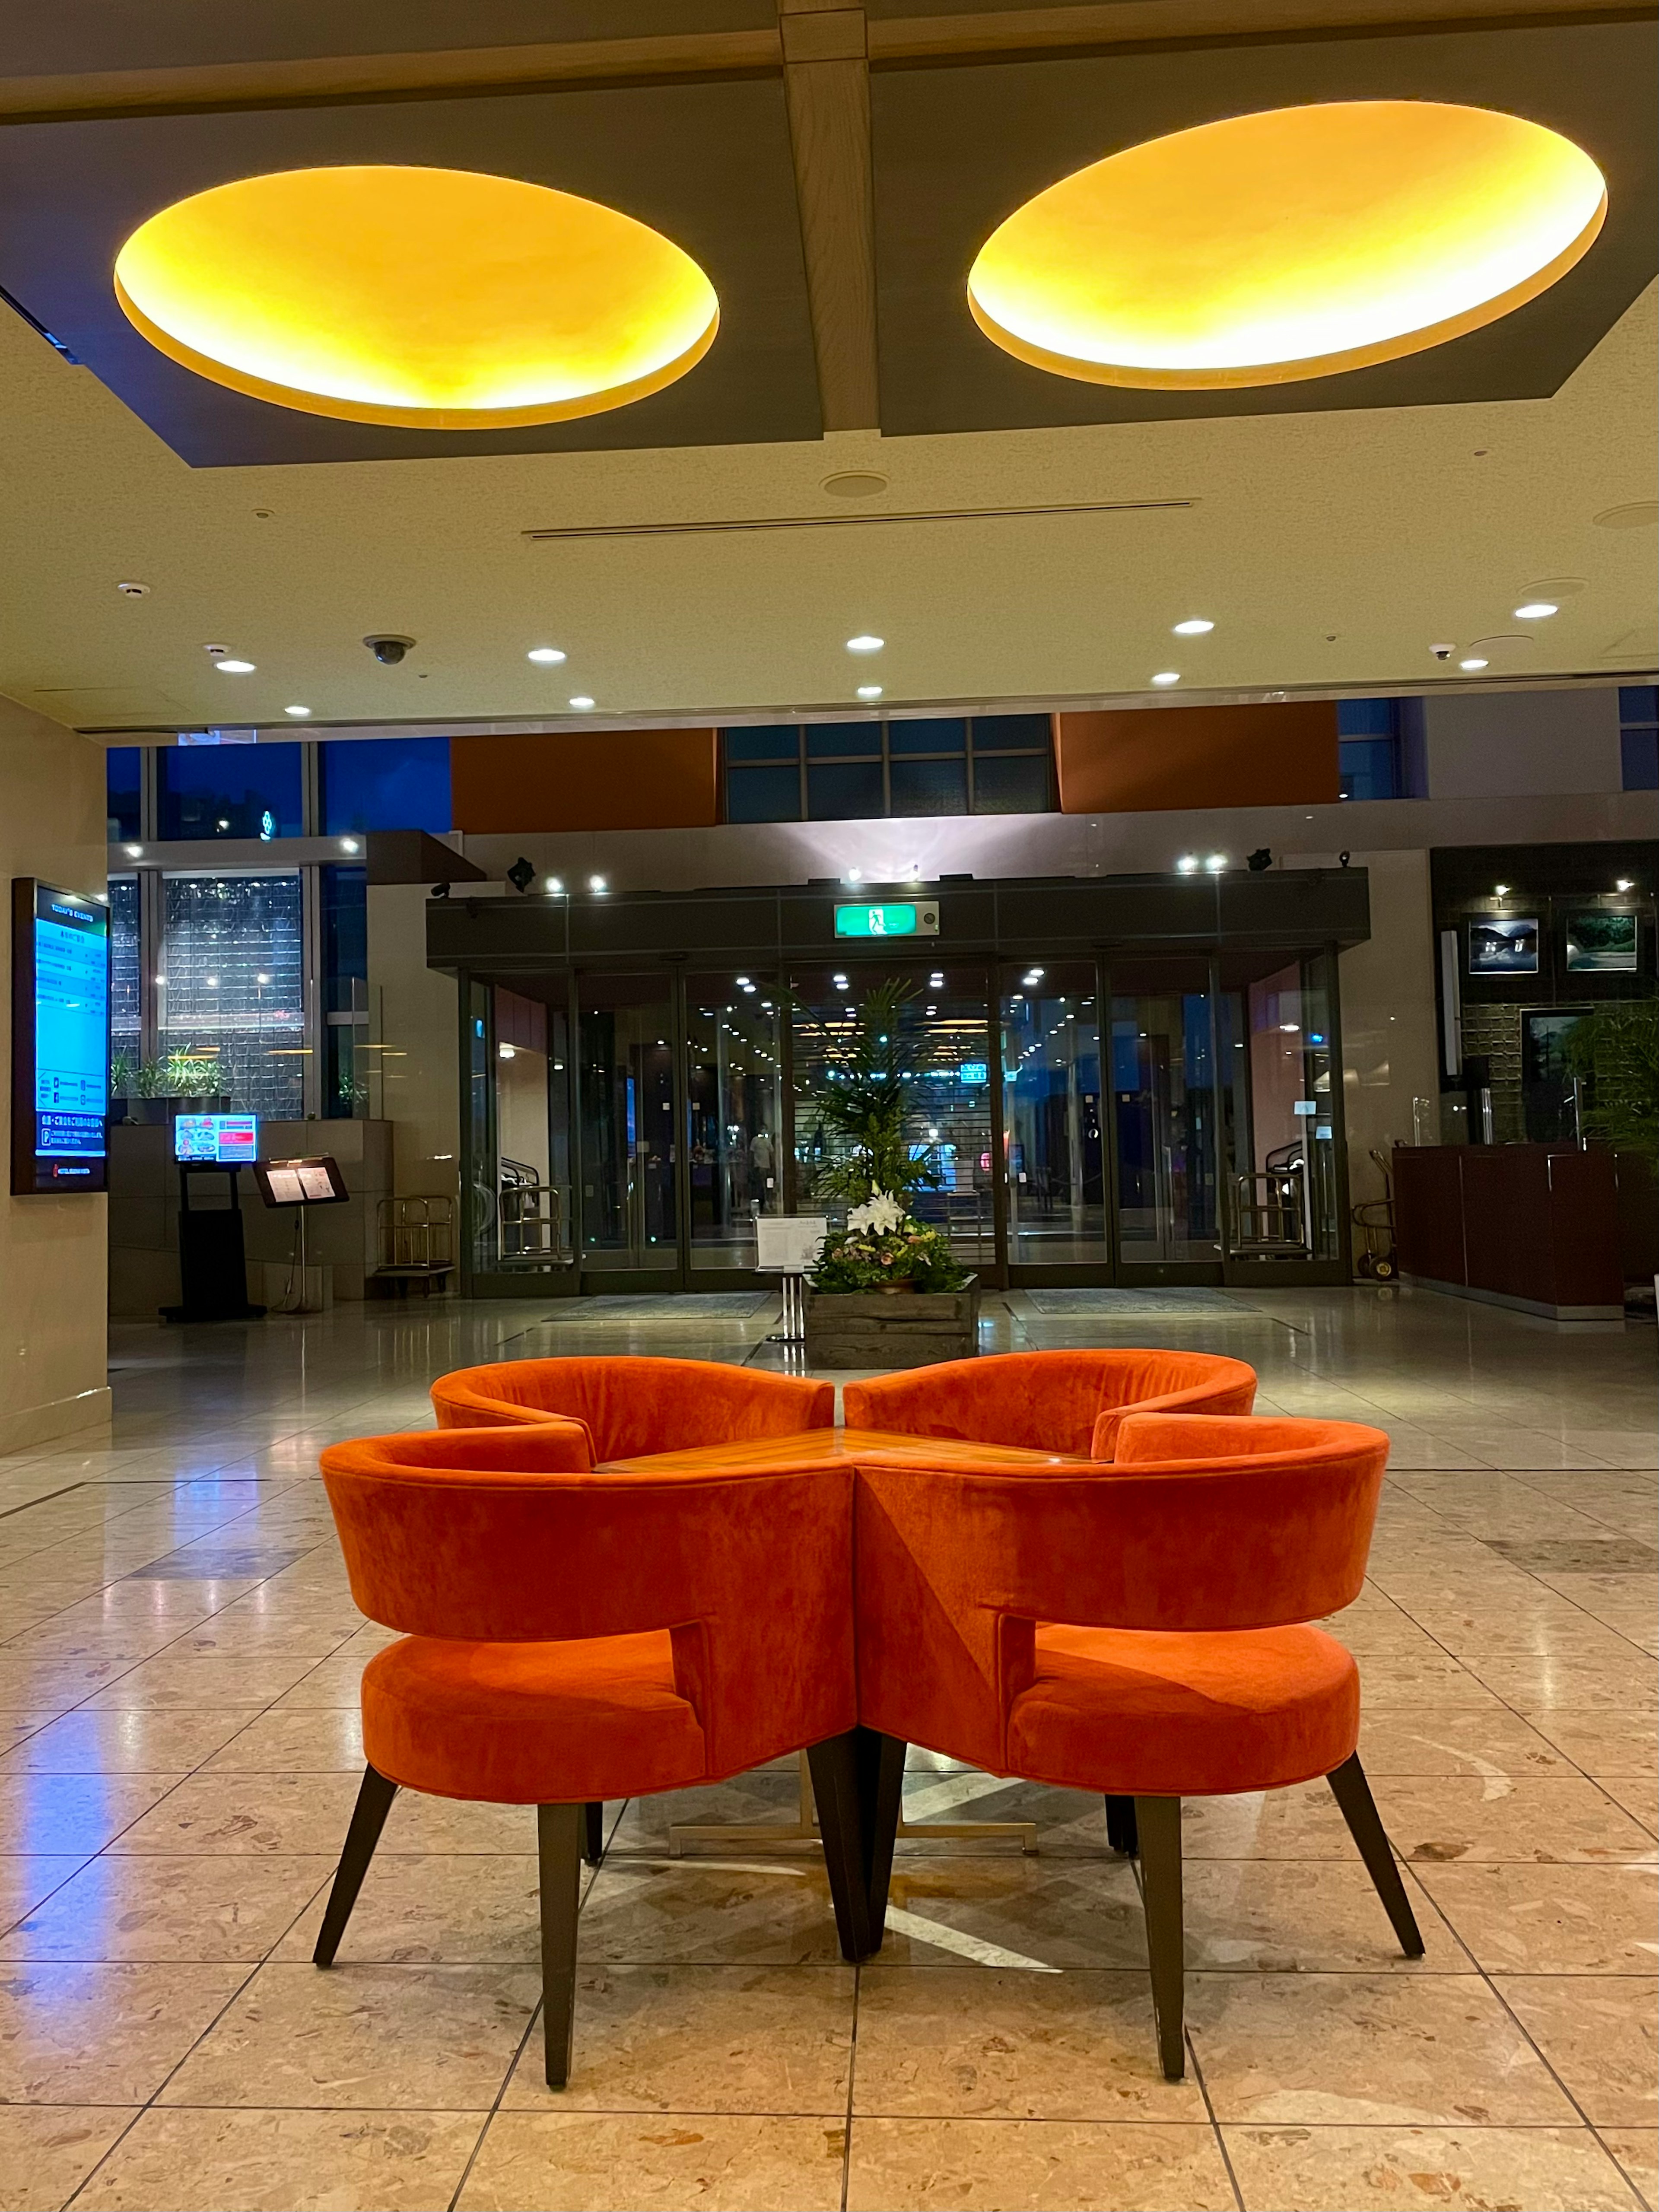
(1600, 941)
(1504, 945)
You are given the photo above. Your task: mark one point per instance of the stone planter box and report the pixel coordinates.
(898, 1328)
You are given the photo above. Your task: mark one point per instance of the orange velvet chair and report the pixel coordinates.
(629, 1406)
(1058, 1401)
(569, 1638)
(1146, 1638)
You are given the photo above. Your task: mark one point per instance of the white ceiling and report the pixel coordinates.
(1329, 549)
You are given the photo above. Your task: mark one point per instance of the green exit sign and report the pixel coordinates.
(872, 920)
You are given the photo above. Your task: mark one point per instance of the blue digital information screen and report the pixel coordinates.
(61, 1044)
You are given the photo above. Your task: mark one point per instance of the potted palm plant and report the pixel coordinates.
(887, 1291)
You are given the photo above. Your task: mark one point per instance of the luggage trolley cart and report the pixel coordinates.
(1374, 1218)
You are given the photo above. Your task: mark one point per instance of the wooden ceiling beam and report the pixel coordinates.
(1105, 24)
(826, 83)
(327, 78)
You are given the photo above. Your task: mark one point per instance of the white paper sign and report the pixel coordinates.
(788, 1243)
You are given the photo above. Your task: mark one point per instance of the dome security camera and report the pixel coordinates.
(388, 650)
(1442, 651)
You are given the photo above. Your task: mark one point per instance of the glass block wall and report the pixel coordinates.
(232, 985)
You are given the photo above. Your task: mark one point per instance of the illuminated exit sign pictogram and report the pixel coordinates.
(902, 921)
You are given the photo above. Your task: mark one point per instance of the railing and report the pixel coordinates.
(1273, 1208)
(416, 1235)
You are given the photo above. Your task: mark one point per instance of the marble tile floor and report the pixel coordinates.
(180, 1749)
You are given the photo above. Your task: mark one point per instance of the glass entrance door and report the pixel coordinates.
(734, 1115)
(1164, 1116)
(628, 1125)
(1053, 1138)
(1280, 1112)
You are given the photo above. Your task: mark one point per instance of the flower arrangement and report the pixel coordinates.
(882, 1249)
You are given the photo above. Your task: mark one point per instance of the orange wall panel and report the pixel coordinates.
(1152, 759)
(603, 780)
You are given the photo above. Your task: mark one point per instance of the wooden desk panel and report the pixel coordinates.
(816, 1447)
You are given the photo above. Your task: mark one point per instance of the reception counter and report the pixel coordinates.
(1533, 1226)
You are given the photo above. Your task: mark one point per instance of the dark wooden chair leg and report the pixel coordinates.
(1353, 1793)
(593, 1831)
(835, 1767)
(1158, 1820)
(881, 1770)
(559, 1849)
(374, 1798)
(1120, 1831)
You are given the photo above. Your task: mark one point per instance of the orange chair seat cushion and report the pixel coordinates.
(1126, 1711)
(531, 1724)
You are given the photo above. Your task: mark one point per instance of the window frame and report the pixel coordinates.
(973, 749)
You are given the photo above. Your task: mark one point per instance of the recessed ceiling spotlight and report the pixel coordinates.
(869, 690)
(1474, 662)
(1187, 864)
(1535, 610)
(581, 702)
(855, 483)
(349, 845)
(1195, 627)
(548, 655)
(1635, 515)
(1215, 863)
(230, 667)
(136, 853)
(1500, 891)
(133, 591)
(1166, 675)
(855, 875)
(300, 713)
(865, 641)
(1623, 883)
(554, 885)
(598, 884)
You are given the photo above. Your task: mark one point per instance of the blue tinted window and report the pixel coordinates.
(832, 740)
(848, 792)
(1012, 733)
(230, 790)
(1639, 702)
(1018, 785)
(928, 737)
(1639, 750)
(929, 787)
(763, 794)
(1369, 768)
(122, 766)
(1367, 717)
(780, 741)
(386, 783)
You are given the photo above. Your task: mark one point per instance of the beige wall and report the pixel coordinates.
(1389, 1038)
(53, 1366)
(420, 1092)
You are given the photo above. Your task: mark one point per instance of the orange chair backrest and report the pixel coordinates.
(480, 1535)
(632, 1406)
(1059, 1401)
(1260, 1523)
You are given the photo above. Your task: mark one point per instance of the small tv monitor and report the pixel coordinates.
(222, 1140)
(315, 1182)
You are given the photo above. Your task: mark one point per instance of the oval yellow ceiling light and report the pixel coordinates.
(440, 298)
(1271, 248)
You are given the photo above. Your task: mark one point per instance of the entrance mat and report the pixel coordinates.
(1111, 1305)
(652, 1305)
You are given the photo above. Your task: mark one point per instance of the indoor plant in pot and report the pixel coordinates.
(887, 1290)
